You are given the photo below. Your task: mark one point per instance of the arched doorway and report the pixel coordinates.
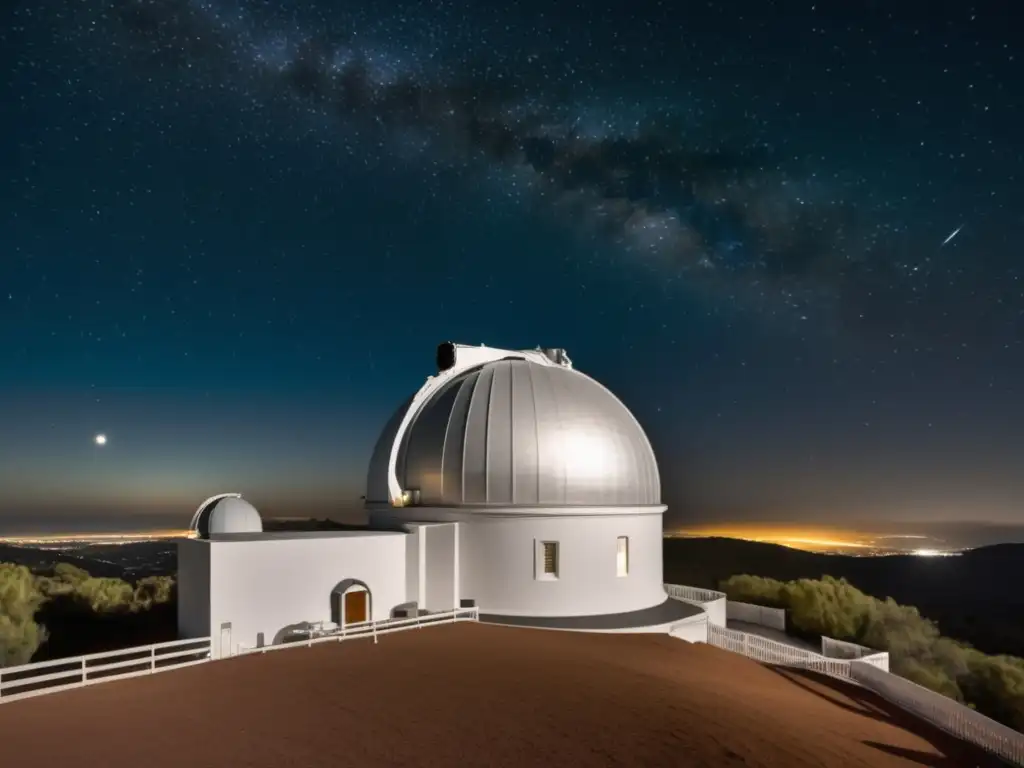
(351, 603)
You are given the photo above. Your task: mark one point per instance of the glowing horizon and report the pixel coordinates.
(94, 538)
(807, 539)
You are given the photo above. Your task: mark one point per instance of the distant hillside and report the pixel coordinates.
(974, 597)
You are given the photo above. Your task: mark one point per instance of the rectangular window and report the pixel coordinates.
(622, 556)
(550, 558)
(547, 556)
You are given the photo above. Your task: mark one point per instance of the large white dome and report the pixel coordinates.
(515, 432)
(226, 513)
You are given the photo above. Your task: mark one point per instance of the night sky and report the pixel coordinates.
(234, 232)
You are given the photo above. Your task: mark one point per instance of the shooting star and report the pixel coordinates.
(952, 234)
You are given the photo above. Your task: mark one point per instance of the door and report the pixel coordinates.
(355, 607)
(225, 640)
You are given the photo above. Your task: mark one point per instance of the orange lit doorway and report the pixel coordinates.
(355, 607)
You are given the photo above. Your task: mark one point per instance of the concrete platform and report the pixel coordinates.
(656, 618)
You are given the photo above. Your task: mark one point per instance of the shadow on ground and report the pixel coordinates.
(860, 701)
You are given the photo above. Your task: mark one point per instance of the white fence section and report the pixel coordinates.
(42, 677)
(841, 649)
(773, 618)
(713, 603)
(692, 594)
(28, 680)
(941, 711)
(372, 629)
(771, 652)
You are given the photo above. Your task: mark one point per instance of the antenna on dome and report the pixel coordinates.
(557, 356)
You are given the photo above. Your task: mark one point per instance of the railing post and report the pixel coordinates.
(152, 659)
(83, 672)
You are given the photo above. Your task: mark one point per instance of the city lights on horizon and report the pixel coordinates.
(820, 540)
(94, 538)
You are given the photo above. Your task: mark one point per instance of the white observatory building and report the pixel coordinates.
(509, 481)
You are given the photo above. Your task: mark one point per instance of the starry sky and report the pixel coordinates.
(234, 232)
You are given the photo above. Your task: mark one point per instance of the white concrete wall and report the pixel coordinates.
(442, 566)
(717, 611)
(415, 562)
(693, 630)
(497, 565)
(193, 587)
(270, 585)
(774, 618)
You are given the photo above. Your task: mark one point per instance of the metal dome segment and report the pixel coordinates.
(515, 431)
(226, 513)
(194, 525)
(460, 358)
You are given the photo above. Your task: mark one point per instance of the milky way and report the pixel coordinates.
(738, 218)
(724, 214)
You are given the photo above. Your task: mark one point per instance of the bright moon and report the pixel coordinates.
(101, 439)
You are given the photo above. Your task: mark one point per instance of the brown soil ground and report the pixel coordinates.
(476, 695)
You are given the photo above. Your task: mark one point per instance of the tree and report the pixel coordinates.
(20, 598)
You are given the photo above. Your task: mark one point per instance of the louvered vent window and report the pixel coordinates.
(550, 558)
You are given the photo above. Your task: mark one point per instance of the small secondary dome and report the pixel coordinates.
(226, 513)
(524, 429)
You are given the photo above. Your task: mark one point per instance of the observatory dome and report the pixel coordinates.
(226, 513)
(516, 432)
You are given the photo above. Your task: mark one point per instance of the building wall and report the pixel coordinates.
(415, 562)
(442, 566)
(717, 611)
(498, 566)
(693, 630)
(193, 588)
(270, 586)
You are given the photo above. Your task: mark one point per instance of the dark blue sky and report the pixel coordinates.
(234, 233)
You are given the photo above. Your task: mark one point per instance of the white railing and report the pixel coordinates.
(692, 594)
(941, 711)
(773, 618)
(27, 680)
(842, 649)
(711, 601)
(771, 652)
(372, 629)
